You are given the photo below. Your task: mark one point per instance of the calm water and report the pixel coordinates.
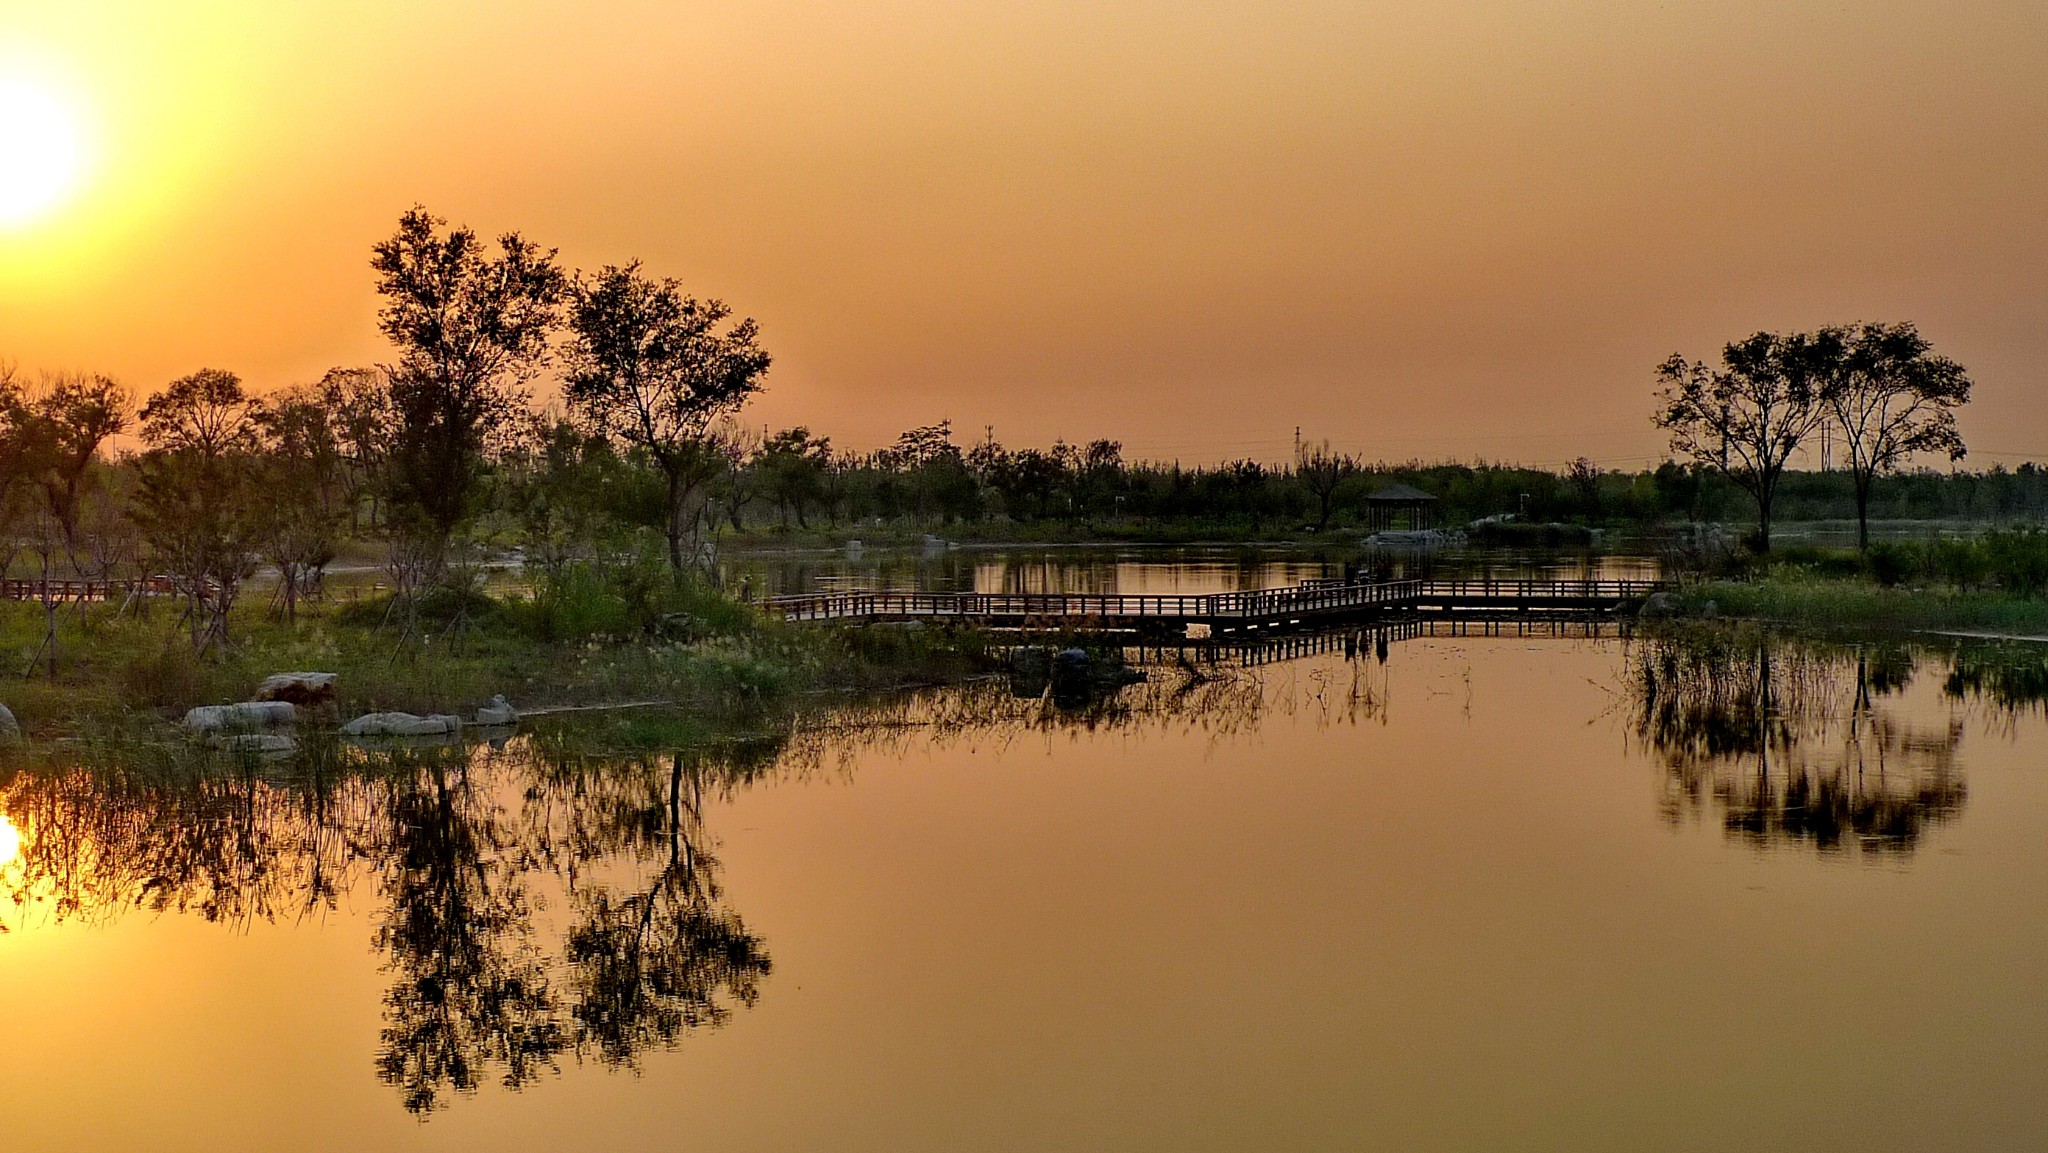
(1495, 893)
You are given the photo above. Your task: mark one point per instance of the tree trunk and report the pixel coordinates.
(675, 523)
(1863, 514)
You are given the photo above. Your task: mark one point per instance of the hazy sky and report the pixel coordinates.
(1415, 229)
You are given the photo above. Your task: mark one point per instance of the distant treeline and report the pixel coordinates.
(441, 453)
(792, 479)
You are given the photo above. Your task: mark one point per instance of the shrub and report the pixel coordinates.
(1890, 563)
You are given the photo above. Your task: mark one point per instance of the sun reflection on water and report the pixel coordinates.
(10, 841)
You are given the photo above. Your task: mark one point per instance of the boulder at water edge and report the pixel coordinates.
(10, 729)
(402, 725)
(241, 717)
(1658, 605)
(499, 712)
(298, 688)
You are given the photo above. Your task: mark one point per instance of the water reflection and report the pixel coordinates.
(1794, 741)
(1153, 569)
(466, 851)
(553, 902)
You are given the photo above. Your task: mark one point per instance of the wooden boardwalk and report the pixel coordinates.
(1306, 605)
(68, 591)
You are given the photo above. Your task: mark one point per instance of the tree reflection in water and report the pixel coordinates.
(462, 847)
(470, 990)
(1793, 741)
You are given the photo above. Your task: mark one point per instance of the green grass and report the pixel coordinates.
(704, 652)
(1805, 599)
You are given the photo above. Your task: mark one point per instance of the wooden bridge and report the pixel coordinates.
(1306, 605)
(69, 591)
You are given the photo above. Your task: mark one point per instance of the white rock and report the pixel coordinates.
(240, 717)
(498, 712)
(10, 729)
(402, 725)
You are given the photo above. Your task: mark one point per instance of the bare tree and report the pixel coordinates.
(1891, 397)
(656, 368)
(1747, 417)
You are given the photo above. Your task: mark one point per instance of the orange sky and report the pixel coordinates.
(1442, 229)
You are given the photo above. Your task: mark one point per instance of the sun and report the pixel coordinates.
(42, 151)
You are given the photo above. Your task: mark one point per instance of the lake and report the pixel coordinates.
(1711, 891)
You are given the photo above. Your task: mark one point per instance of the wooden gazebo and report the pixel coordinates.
(1389, 507)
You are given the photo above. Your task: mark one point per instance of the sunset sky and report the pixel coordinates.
(1415, 229)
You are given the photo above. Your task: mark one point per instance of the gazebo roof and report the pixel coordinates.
(1400, 494)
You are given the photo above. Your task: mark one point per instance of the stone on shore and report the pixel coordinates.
(1659, 605)
(10, 729)
(498, 713)
(402, 725)
(241, 717)
(298, 688)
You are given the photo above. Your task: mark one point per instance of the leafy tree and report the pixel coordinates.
(655, 369)
(201, 503)
(358, 402)
(305, 475)
(470, 329)
(55, 431)
(934, 470)
(1746, 418)
(1892, 397)
(1584, 478)
(793, 466)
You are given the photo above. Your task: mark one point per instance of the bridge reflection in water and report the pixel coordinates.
(1310, 604)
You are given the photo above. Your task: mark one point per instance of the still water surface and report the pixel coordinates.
(1492, 893)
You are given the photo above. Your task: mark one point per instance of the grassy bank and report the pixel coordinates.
(1859, 603)
(703, 652)
(1995, 582)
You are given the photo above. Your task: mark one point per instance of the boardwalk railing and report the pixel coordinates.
(1310, 598)
(1540, 590)
(83, 590)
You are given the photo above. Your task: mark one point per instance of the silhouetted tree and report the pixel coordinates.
(655, 369)
(54, 432)
(304, 470)
(470, 330)
(358, 403)
(793, 465)
(201, 502)
(1746, 418)
(1892, 397)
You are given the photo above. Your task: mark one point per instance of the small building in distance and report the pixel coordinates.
(1399, 507)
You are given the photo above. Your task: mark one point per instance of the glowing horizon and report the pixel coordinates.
(1458, 231)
